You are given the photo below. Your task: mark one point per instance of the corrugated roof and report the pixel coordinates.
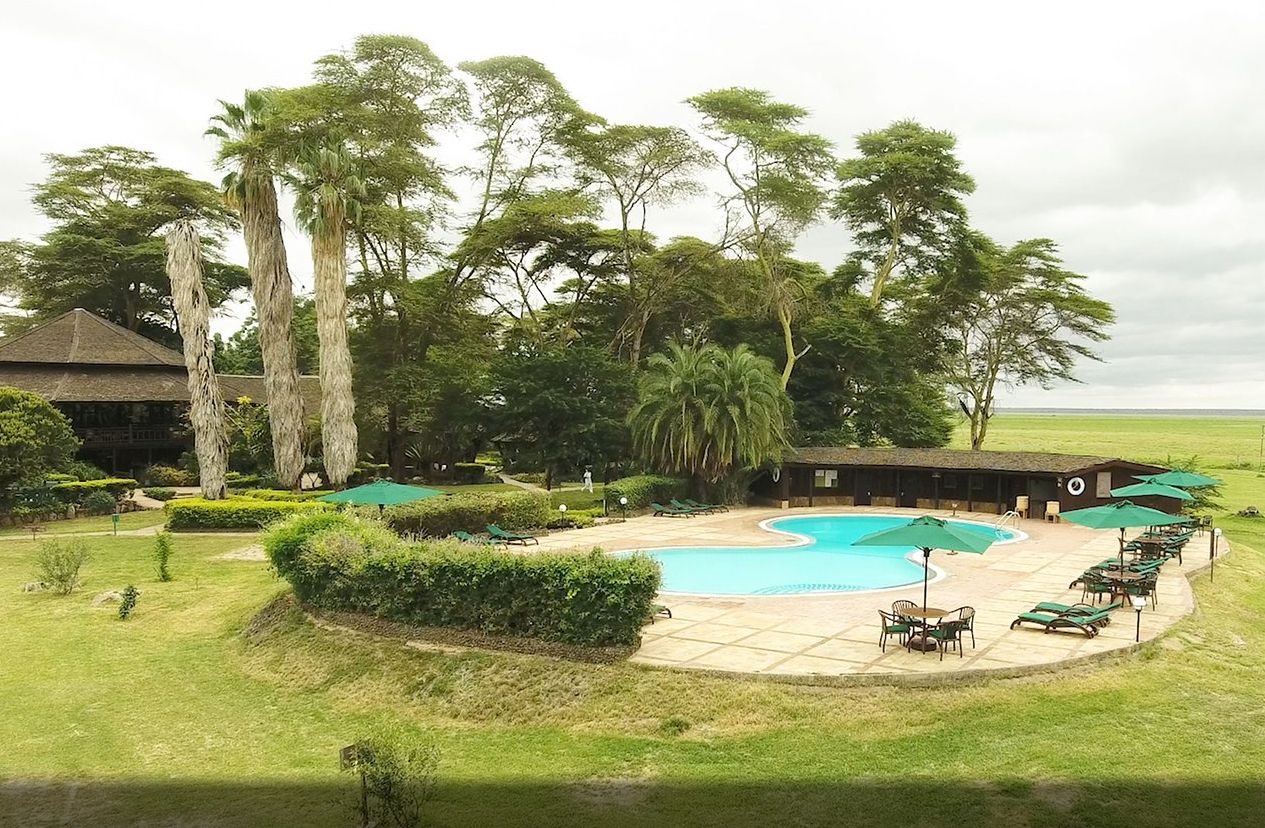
(948, 459)
(78, 337)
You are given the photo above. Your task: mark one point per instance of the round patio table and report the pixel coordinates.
(924, 643)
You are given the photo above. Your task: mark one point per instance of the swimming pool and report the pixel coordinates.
(823, 560)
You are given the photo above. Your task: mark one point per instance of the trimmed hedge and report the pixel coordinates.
(644, 489)
(284, 540)
(468, 472)
(585, 599)
(159, 493)
(439, 517)
(574, 519)
(234, 513)
(280, 494)
(76, 491)
(242, 481)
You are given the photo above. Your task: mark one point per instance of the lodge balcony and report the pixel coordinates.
(130, 436)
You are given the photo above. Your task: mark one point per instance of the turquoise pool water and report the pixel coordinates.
(828, 562)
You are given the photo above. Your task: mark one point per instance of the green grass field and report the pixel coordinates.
(1217, 442)
(200, 710)
(99, 523)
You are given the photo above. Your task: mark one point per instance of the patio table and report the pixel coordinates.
(923, 642)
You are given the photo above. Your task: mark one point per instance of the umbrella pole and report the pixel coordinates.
(926, 574)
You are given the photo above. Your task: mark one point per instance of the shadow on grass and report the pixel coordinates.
(635, 802)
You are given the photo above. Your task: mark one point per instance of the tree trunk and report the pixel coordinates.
(784, 319)
(193, 312)
(274, 307)
(338, 407)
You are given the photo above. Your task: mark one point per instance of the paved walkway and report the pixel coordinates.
(837, 634)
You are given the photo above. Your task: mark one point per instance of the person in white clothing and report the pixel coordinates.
(588, 480)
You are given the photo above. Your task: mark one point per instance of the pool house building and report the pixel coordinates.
(1036, 484)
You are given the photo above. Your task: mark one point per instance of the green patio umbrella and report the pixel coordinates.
(381, 493)
(1149, 488)
(1182, 479)
(1122, 515)
(927, 533)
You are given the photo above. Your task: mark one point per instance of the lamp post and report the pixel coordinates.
(1139, 603)
(623, 508)
(562, 510)
(1212, 551)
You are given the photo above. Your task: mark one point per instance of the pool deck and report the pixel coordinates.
(837, 634)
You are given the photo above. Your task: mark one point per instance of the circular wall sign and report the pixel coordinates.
(1076, 486)
(777, 474)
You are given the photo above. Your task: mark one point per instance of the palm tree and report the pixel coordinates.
(251, 189)
(327, 202)
(710, 412)
(193, 311)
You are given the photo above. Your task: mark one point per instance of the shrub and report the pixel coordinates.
(469, 472)
(38, 500)
(35, 438)
(75, 492)
(83, 470)
(644, 489)
(530, 477)
(241, 481)
(441, 516)
(575, 519)
(283, 542)
(160, 475)
(59, 477)
(397, 777)
(159, 493)
(234, 513)
(98, 503)
(279, 494)
(162, 555)
(128, 602)
(59, 562)
(586, 599)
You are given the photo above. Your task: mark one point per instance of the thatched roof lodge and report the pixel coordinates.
(126, 395)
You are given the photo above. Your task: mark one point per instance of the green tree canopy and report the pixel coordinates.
(1029, 324)
(560, 409)
(109, 207)
(35, 438)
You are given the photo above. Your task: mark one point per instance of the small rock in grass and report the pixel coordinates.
(111, 597)
(1237, 640)
(34, 586)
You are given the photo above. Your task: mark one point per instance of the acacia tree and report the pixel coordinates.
(776, 171)
(901, 200)
(327, 191)
(1029, 324)
(638, 167)
(249, 147)
(206, 406)
(708, 412)
(109, 207)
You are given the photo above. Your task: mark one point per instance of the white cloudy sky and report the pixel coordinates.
(1131, 133)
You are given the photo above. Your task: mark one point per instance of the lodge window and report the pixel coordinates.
(1103, 488)
(826, 478)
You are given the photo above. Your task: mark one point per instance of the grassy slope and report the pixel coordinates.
(100, 523)
(179, 696)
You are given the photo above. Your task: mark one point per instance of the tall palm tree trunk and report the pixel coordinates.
(274, 307)
(193, 311)
(338, 406)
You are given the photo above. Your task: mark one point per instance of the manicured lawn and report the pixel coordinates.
(1222, 442)
(473, 487)
(101, 523)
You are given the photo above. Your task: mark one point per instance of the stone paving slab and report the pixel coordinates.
(837, 634)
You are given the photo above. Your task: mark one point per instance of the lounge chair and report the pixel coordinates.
(657, 610)
(702, 510)
(1077, 610)
(715, 507)
(466, 537)
(670, 511)
(1084, 624)
(503, 536)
